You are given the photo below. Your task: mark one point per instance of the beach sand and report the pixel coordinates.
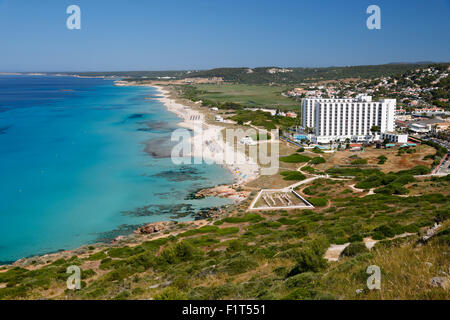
(208, 142)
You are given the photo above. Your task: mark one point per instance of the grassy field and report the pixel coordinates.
(394, 162)
(263, 96)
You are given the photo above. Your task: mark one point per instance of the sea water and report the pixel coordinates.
(83, 161)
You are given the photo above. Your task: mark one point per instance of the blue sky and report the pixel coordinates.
(201, 34)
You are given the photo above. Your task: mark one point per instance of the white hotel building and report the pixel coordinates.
(339, 119)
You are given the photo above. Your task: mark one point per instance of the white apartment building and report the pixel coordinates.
(394, 137)
(339, 119)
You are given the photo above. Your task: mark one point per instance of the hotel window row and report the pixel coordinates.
(345, 118)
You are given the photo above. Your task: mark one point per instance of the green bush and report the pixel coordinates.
(293, 176)
(287, 221)
(301, 149)
(355, 238)
(251, 217)
(318, 202)
(359, 162)
(227, 231)
(371, 181)
(240, 263)
(295, 158)
(308, 169)
(305, 279)
(389, 230)
(382, 159)
(309, 191)
(179, 252)
(317, 160)
(317, 150)
(354, 249)
(352, 171)
(416, 171)
(97, 256)
(443, 237)
(404, 179)
(123, 252)
(310, 258)
(204, 229)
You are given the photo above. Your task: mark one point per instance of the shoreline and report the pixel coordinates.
(208, 141)
(190, 119)
(209, 144)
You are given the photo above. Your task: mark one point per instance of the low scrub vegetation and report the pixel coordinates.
(268, 255)
(293, 175)
(295, 158)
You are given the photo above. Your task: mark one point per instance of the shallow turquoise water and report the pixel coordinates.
(73, 168)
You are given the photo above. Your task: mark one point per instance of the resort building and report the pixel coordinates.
(419, 128)
(339, 119)
(394, 137)
(439, 127)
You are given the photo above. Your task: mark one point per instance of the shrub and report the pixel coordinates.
(354, 249)
(355, 238)
(123, 252)
(287, 221)
(317, 160)
(97, 256)
(411, 228)
(371, 181)
(416, 171)
(317, 150)
(318, 202)
(301, 280)
(382, 159)
(388, 178)
(393, 188)
(293, 175)
(181, 251)
(310, 259)
(227, 231)
(300, 149)
(404, 179)
(359, 162)
(389, 230)
(443, 236)
(235, 246)
(309, 191)
(204, 229)
(352, 171)
(308, 169)
(240, 263)
(251, 217)
(295, 158)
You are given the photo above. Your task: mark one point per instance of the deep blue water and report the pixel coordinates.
(75, 164)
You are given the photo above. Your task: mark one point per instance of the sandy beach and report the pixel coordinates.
(208, 142)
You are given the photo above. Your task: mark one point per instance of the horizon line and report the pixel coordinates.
(228, 67)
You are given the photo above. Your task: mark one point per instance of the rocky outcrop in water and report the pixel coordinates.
(153, 227)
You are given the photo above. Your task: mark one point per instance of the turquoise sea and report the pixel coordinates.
(83, 161)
